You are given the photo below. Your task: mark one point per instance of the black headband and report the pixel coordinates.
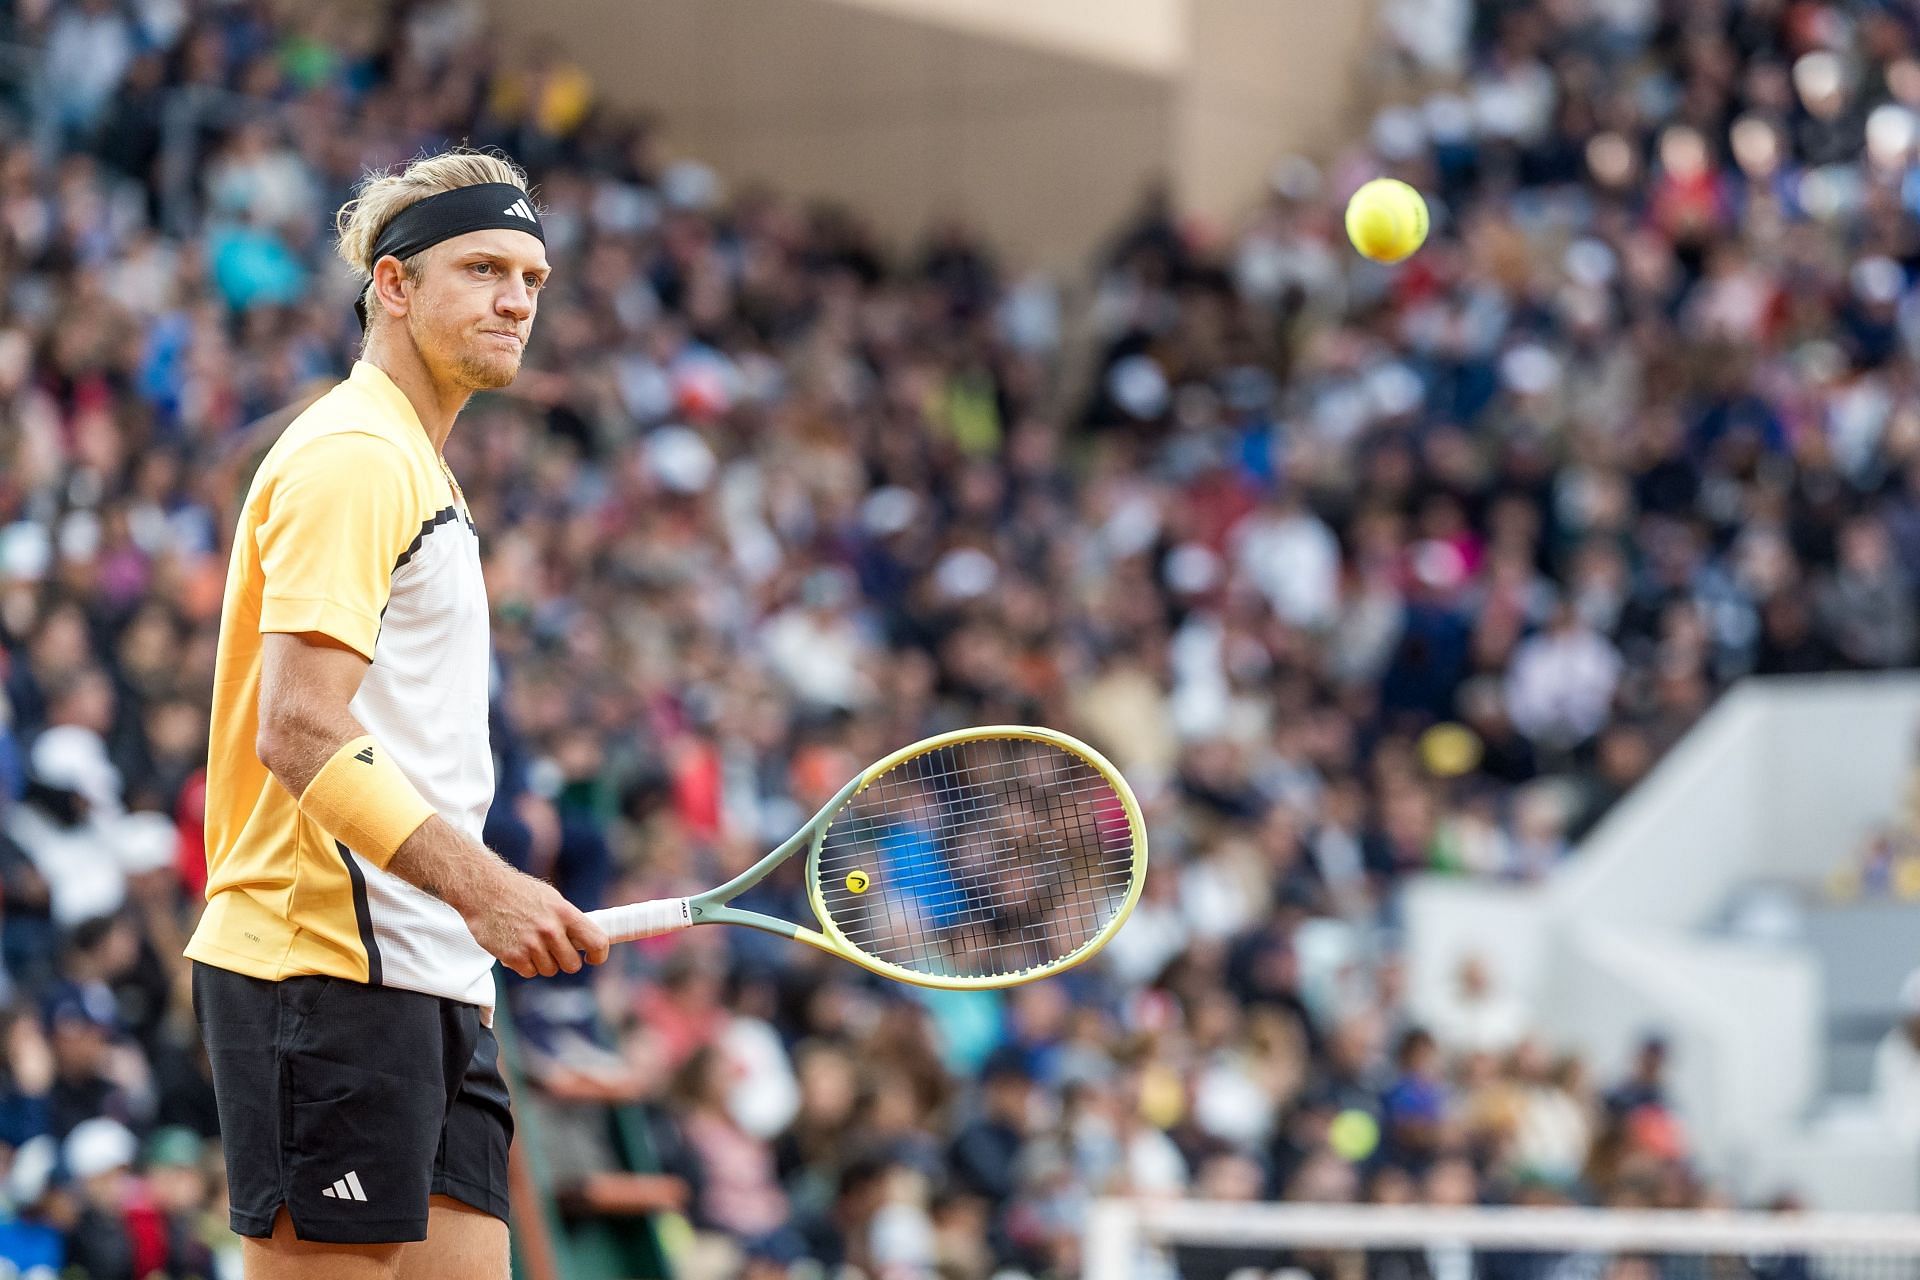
(485, 206)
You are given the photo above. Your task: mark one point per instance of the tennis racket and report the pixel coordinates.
(982, 858)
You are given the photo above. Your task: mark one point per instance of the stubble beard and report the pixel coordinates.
(479, 373)
(471, 366)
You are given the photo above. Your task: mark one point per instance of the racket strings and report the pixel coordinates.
(984, 903)
(984, 858)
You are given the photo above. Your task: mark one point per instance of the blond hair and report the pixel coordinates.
(383, 195)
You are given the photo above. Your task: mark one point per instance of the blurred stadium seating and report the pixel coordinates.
(1369, 578)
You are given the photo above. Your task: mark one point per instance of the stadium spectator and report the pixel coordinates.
(1480, 1018)
(736, 1188)
(986, 1151)
(1554, 1131)
(1646, 1083)
(1416, 1104)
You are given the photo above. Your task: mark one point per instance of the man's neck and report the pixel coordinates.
(435, 406)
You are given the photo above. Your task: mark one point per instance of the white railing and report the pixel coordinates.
(1122, 1236)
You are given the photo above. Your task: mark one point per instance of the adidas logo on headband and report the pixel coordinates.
(519, 209)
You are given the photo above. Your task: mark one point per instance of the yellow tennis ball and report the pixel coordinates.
(1450, 750)
(857, 881)
(1353, 1135)
(1386, 220)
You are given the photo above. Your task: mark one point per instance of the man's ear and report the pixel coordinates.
(392, 291)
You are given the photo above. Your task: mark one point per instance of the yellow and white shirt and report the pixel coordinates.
(354, 528)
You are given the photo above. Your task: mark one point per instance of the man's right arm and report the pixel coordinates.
(307, 686)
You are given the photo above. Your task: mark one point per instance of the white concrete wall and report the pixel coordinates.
(1667, 854)
(1779, 782)
(1745, 1024)
(1835, 759)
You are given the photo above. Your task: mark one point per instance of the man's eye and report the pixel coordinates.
(533, 281)
(484, 268)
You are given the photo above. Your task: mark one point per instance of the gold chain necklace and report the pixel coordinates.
(453, 484)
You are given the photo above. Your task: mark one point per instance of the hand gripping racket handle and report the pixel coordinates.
(644, 919)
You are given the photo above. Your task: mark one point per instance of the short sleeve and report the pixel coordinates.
(337, 521)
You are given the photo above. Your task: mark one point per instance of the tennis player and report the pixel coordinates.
(343, 969)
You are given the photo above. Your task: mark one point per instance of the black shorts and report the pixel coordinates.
(351, 1105)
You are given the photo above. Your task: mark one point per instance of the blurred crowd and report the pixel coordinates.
(1358, 572)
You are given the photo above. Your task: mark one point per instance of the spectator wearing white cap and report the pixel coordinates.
(99, 1156)
(29, 1242)
(63, 824)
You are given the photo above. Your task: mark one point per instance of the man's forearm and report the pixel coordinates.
(437, 857)
(448, 864)
(360, 796)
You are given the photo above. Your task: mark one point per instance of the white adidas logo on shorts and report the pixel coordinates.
(347, 1188)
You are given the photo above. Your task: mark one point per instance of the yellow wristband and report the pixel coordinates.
(363, 800)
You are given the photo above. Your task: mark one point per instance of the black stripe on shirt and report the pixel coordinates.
(446, 515)
(363, 913)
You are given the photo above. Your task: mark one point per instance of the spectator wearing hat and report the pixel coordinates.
(93, 1077)
(174, 1169)
(64, 822)
(114, 1237)
(31, 1240)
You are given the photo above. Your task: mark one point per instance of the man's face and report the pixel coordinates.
(79, 1048)
(179, 1188)
(107, 1191)
(472, 309)
(1010, 1099)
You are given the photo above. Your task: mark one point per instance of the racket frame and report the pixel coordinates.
(712, 907)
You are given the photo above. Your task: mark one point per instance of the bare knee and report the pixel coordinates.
(287, 1257)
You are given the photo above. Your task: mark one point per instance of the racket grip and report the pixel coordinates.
(644, 919)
